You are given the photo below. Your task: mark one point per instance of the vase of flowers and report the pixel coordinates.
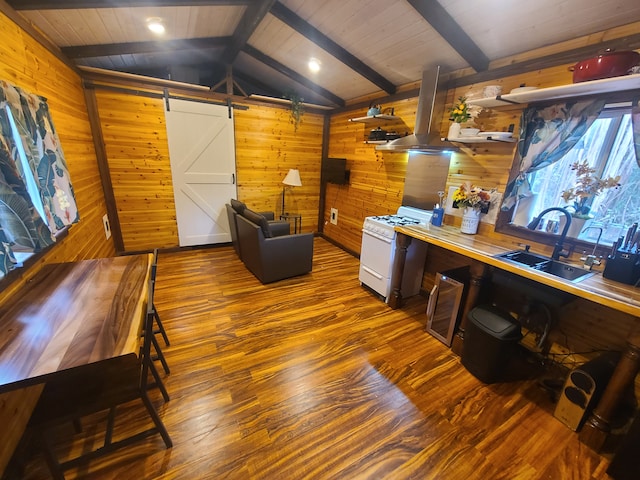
(578, 197)
(586, 187)
(475, 201)
(470, 220)
(459, 114)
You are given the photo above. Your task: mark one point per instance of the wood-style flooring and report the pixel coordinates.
(316, 378)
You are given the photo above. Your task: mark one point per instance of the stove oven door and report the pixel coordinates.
(376, 261)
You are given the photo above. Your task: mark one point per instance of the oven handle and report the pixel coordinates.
(371, 272)
(375, 235)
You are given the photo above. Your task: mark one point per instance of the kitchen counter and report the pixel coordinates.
(482, 251)
(595, 288)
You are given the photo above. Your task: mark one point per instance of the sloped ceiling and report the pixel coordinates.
(365, 47)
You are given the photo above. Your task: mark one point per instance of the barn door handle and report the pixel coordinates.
(233, 178)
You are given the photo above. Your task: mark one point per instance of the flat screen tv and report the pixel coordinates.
(334, 170)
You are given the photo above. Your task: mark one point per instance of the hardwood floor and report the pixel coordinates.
(315, 378)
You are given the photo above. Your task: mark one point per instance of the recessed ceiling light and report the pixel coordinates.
(155, 25)
(314, 65)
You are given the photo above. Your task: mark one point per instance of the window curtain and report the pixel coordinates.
(27, 132)
(635, 121)
(546, 135)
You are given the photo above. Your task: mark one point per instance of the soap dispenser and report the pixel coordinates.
(438, 212)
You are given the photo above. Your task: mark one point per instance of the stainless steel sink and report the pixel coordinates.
(546, 264)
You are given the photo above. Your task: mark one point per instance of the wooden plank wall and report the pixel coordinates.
(376, 180)
(135, 139)
(267, 147)
(24, 62)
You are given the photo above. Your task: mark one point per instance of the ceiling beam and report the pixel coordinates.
(216, 71)
(447, 27)
(316, 36)
(256, 84)
(252, 17)
(261, 57)
(82, 4)
(159, 46)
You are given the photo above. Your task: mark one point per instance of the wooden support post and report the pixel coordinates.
(597, 428)
(402, 244)
(229, 79)
(478, 272)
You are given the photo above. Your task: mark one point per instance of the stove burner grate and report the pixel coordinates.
(396, 220)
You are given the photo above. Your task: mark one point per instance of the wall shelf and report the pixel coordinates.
(594, 87)
(374, 118)
(481, 140)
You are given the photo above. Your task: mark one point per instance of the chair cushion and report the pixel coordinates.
(238, 206)
(258, 220)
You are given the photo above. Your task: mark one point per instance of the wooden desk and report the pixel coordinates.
(70, 315)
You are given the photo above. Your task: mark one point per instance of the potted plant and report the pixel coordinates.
(586, 187)
(460, 113)
(297, 109)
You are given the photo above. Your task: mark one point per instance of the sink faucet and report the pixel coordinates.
(591, 260)
(558, 248)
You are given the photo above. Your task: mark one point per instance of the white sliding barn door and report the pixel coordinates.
(203, 165)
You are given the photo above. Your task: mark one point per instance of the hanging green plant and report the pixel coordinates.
(297, 108)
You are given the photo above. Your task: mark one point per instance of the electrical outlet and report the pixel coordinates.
(107, 227)
(334, 216)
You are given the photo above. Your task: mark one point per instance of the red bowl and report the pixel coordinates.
(609, 64)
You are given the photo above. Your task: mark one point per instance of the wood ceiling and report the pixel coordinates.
(365, 47)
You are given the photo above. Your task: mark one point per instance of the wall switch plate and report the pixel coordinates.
(334, 216)
(107, 227)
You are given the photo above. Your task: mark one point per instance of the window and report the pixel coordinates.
(22, 163)
(36, 196)
(608, 148)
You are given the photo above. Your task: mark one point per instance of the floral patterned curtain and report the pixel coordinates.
(635, 121)
(36, 200)
(546, 135)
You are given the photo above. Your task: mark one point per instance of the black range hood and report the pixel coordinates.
(431, 103)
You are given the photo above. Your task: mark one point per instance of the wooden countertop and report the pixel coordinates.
(70, 315)
(596, 288)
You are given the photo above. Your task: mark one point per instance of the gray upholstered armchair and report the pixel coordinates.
(272, 258)
(236, 207)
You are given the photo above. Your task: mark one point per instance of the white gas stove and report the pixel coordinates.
(383, 225)
(378, 252)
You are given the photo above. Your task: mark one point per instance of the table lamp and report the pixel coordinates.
(292, 180)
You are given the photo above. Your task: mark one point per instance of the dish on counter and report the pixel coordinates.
(496, 134)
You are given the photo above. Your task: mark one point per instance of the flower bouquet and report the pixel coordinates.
(587, 186)
(471, 196)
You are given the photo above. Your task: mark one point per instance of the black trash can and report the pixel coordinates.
(490, 340)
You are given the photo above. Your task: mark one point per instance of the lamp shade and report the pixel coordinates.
(292, 178)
